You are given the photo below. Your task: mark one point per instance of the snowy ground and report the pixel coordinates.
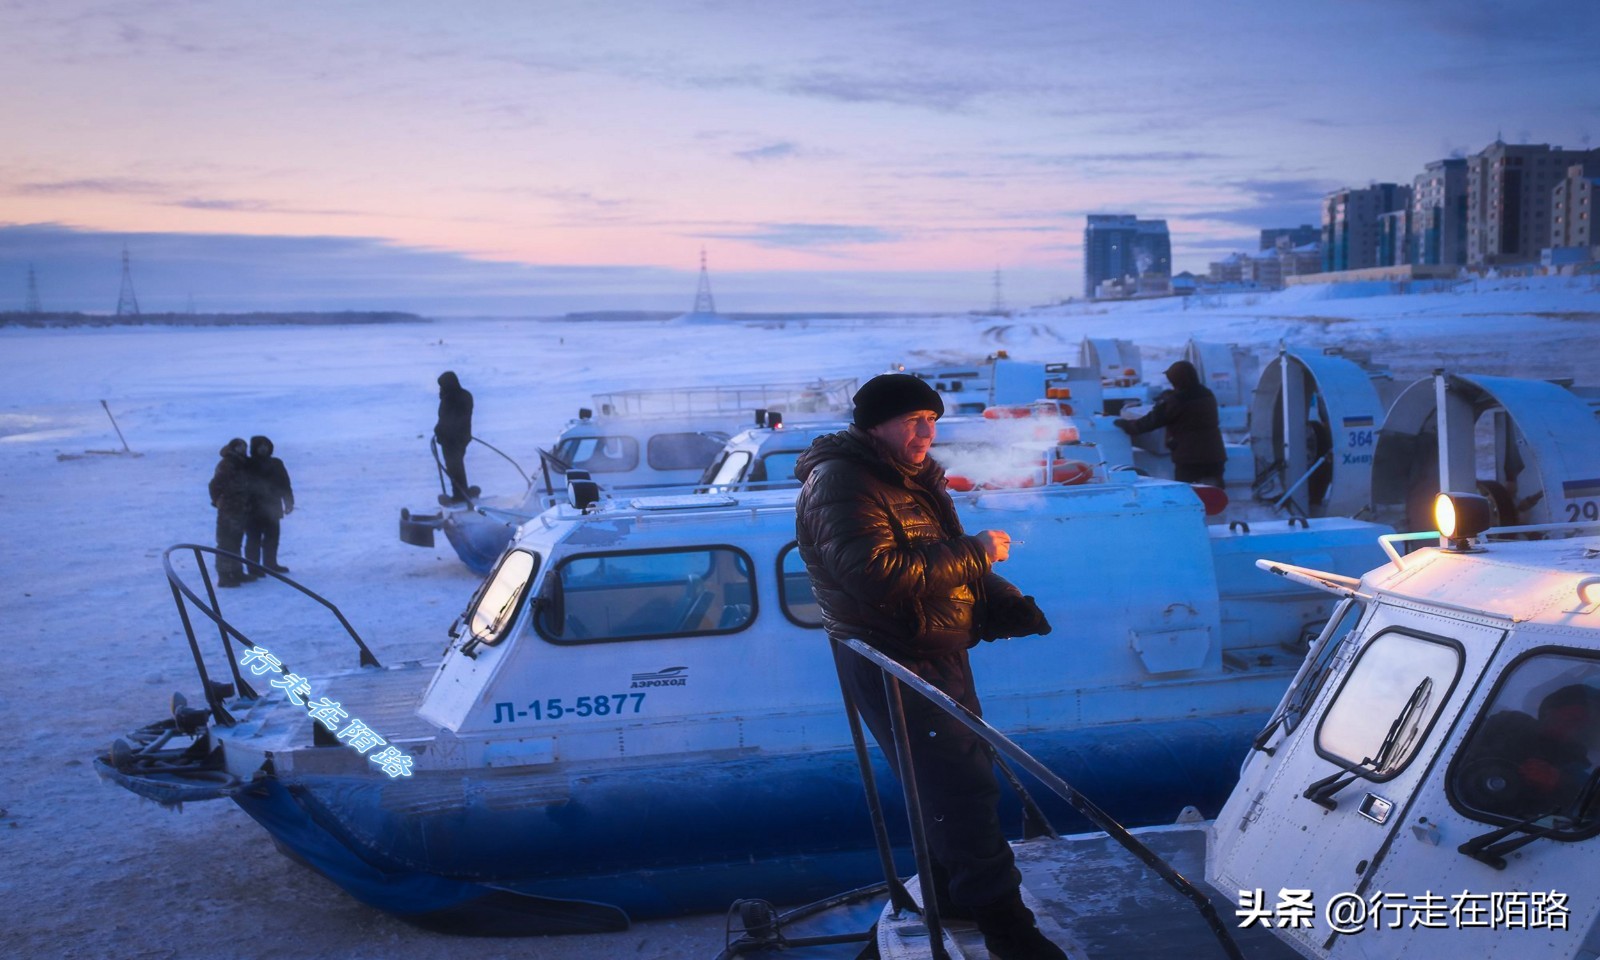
(95, 647)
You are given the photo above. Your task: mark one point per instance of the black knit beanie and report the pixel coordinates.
(891, 395)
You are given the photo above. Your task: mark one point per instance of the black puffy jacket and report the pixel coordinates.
(454, 428)
(270, 489)
(230, 482)
(888, 559)
(1189, 412)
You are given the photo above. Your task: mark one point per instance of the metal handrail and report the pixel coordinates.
(212, 608)
(518, 517)
(826, 394)
(1304, 477)
(896, 676)
(438, 462)
(546, 459)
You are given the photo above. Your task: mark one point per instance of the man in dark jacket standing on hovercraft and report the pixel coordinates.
(891, 565)
(1194, 438)
(454, 431)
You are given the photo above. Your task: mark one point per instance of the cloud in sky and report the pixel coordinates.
(80, 270)
(812, 235)
(91, 185)
(1278, 203)
(781, 150)
(886, 138)
(1128, 157)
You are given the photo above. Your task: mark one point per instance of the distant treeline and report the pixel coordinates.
(640, 315)
(621, 315)
(17, 318)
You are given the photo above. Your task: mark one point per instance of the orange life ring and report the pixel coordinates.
(1064, 472)
(1213, 499)
(1039, 408)
(1069, 472)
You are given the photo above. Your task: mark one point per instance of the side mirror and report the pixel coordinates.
(582, 494)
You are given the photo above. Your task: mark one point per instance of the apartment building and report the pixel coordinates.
(1351, 227)
(1394, 237)
(1118, 246)
(1439, 213)
(1297, 236)
(1572, 208)
(1269, 269)
(1509, 199)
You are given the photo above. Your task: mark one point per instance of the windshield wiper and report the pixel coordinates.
(1491, 848)
(1321, 792)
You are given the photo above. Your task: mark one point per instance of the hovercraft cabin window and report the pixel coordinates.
(1390, 698)
(617, 454)
(795, 596)
(779, 465)
(1533, 750)
(644, 595)
(499, 601)
(728, 470)
(683, 451)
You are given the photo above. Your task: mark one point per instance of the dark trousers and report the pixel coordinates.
(230, 534)
(261, 539)
(955, 778)
(1199, 472)
(455, 467)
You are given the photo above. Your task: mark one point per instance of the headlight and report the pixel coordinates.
(1460, 517)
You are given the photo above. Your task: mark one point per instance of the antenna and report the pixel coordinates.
(127, 303)
(31, 305)
(702, 294)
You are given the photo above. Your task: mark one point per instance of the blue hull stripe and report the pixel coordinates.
(667, 840)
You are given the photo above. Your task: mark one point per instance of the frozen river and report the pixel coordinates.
(95, 648)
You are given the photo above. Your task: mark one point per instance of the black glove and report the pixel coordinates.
(1126, 426)
(1014, 617)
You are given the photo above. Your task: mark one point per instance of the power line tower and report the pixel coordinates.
(31, 305)
(127, 303)
(702, 294)
(998, 308)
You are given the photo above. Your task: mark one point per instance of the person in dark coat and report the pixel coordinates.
(454, 432)
(891, 565)
(230, 494)
(1194, 438)
(271, 499)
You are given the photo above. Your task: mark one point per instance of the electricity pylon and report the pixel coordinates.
(127, 303)
(702, 295)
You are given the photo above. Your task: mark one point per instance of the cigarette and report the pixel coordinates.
(1019, 543)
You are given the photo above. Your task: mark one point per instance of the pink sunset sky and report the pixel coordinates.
(535, 157)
